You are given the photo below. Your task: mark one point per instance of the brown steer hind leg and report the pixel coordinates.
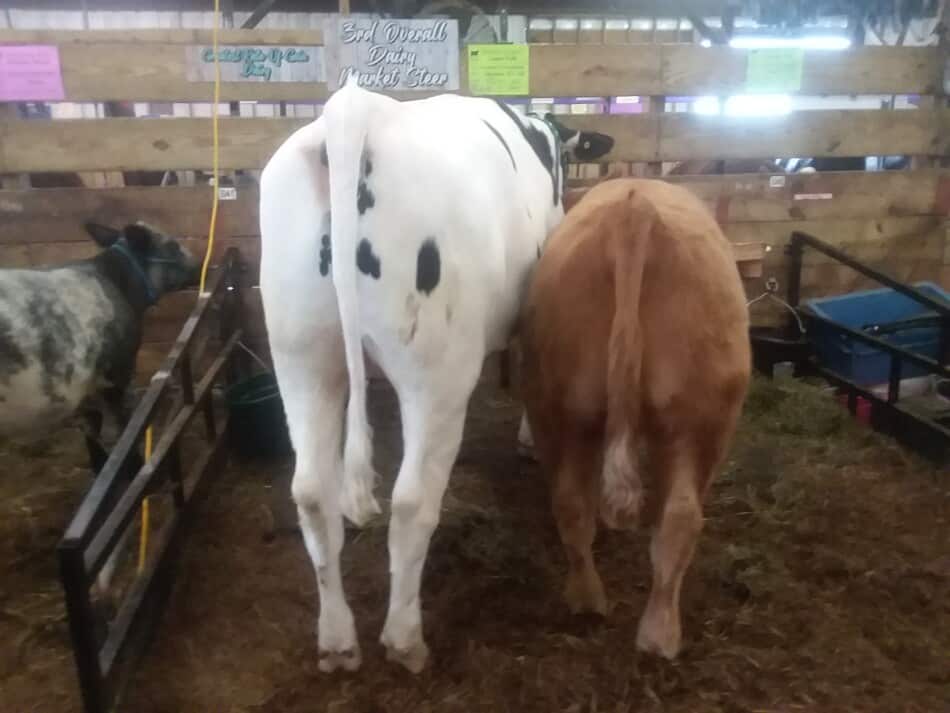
(679, 522)
(575, 496)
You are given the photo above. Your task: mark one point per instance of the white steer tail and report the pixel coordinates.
(346, 114)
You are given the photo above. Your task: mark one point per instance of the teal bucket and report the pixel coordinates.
(257, 426)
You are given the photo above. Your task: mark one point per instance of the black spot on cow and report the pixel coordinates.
(12, 358)
(324, 158)
(428, 267)
(539, 144)
(364, 198)
(366, 260)
(57, 342)
(539, 252)
(503, 143)
(325, 255)
(367, 164)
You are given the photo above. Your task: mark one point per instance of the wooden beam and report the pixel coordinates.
(163, 36)
(804, 133)
(156, 71)
(146, 144)
(753, 198)
(691, 69)
(56, 215)
(171, 144)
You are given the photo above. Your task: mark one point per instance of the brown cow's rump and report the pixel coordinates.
(636, 359)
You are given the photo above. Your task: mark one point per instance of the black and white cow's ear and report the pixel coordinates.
(591, 145)
(139, 237)
(581, 145)
(102, 234)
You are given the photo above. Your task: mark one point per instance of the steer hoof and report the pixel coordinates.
(412, 658)
(527, 452)
(585, 595)
(348, 660)
(659, 635)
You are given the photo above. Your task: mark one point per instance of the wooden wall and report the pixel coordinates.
(895, 220)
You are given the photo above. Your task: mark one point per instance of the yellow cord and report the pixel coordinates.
(143, 537)
(214, 146)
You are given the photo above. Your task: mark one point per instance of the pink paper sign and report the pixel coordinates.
(30, 73)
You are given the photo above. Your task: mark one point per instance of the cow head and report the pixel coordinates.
(581, 145)
(160, 263)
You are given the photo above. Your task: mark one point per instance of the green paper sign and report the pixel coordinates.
(498, 70)
(774, 70)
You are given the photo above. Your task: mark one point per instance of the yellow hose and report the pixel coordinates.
(143, 536)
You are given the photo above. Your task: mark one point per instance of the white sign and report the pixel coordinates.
(255, 63)
(387, 55)
(227, 193)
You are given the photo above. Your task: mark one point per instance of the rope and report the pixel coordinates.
(143, 537)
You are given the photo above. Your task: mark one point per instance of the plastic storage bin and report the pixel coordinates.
(862, 363)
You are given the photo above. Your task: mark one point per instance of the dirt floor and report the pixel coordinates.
(822, 583)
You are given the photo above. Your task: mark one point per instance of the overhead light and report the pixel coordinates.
(808, 42)
(758, 105)
(744, 105)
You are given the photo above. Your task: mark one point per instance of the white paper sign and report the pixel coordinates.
(387, 55)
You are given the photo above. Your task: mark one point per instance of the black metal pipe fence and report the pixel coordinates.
(103, 659)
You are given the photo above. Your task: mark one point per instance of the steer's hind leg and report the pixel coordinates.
(680, 520)
(313, 388)
(574, 499)
(433, 420)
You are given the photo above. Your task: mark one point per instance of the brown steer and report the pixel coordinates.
(636, 351)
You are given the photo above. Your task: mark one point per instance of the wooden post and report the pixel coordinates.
(344, 7)
(12, 181)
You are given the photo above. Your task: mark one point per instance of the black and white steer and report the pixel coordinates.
(69, 336)
(409, 229)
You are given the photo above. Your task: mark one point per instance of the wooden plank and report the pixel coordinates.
(147, 144)
(162, 144)
(864, 239)
(889, 242)
(594, 70)
(157, 72)
(817, 196)
(156, 67)
(162, 36)
(803, 133)
(691, 69)
(57, 214)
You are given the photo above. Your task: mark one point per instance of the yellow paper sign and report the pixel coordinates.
(498, 70)
(774, 70)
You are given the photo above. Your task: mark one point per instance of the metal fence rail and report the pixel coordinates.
(929, 437)
(107, 510)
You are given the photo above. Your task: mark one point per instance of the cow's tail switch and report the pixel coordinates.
(621, 486)
(347, 115)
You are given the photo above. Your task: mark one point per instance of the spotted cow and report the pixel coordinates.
(636, 363)
(408, 229)
(69, 335)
